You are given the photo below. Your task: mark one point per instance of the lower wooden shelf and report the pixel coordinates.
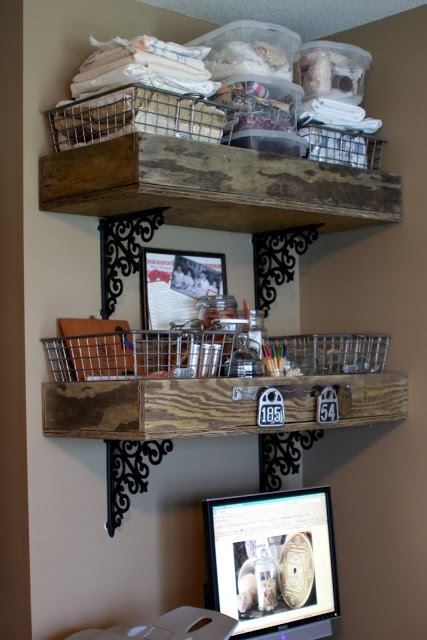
(168, 408)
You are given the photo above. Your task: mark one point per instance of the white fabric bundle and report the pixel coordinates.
(147, 60)
(338, 114)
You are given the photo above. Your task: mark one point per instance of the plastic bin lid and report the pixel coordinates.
(243, 24)
(281, 85)
(341, 47)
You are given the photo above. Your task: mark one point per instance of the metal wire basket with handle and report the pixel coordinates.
(139, 354)
(335, 354)
(139, 108)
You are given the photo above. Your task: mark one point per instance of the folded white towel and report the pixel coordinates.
(153, 45)
(335, 108)
(139, 74)
(337, 114)
(103, 57)
(149, 61)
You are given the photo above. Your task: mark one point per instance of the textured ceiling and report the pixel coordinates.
(311, 19)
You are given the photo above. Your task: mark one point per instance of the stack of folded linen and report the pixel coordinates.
(145, 59)
(337, 114)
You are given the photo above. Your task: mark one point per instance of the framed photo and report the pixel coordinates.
(173, 281)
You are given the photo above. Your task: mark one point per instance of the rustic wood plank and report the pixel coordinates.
(157, 409)
(261, 191)
(169, 405)
(92, 409)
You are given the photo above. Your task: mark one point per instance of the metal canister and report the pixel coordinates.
(215, 359)
(205, 360)
(193, 357)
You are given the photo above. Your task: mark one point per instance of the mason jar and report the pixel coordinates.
(212, 307)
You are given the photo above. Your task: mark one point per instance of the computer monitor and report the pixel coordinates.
(271, 563)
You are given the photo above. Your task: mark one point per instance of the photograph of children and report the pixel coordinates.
(172, 283)
(194, 279)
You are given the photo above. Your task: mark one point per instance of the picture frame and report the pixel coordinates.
(172, 282)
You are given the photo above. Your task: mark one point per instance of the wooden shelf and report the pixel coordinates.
(157, 409)
(215, 186)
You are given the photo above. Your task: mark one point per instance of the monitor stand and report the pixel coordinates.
(312, 631)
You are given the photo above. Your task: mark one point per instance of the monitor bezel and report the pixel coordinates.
(212, 600)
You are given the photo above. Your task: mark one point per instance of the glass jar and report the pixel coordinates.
(245, 361)
(212, 307)
(257, 332)
(265, 575)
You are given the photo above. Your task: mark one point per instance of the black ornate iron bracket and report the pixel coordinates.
(274, 259)
(127, 469)
(121, 242)
(274, 264)
(280, 455)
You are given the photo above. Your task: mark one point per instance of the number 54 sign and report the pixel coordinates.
(327, 407)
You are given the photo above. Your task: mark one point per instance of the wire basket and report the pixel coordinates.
(317, 354)
(139, 354)
(335, 146)
(136, 107)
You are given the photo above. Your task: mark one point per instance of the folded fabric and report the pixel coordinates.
(139, 74)
(154, 45)
(103, 57)
(337, 114)
(118, 47)
(367, 125)
(149, 61)
(336, 147)
(336, 109)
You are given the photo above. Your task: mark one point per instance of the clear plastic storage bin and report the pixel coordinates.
(332, 69)
(249, 46)
(262, 102)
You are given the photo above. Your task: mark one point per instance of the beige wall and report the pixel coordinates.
(376, 281)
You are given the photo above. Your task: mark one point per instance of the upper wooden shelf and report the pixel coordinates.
(215, 186)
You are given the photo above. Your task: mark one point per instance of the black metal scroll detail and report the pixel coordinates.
(274, 259)
(280, 455)
(126, 468)
(121, 238)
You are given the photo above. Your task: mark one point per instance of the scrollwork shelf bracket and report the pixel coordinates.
(121, 242)
(274, 259)
(127, 469)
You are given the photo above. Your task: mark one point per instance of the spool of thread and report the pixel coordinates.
(255, 89)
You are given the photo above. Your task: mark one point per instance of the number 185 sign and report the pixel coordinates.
(271, 409)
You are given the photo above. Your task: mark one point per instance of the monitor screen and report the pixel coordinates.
(271, 563)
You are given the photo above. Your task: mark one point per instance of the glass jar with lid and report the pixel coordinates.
(245, 361)
(212, 307)
(256, 330)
